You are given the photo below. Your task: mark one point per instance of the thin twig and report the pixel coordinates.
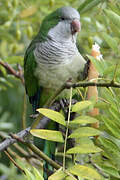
(18, 74)
(9, 141)
(98, 84)
(13, 161)
(22, 134)
(43, 156)
(67, 128)
(21, 150)
(97, 167)
(13, 153)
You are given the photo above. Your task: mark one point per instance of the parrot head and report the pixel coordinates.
(64, 23)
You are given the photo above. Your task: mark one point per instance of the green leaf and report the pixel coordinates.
(53, 115)
(70, 177)
(102, 105)
(110, 170)
(85, 172)
(110, 41)
(84, 120)
(108, 144)
(114, 18)
(58, 175)
(88, 5)
(114, 114)
(37, 174)
(29, 175)
(113, 128)
(84, 149)
(85, 131)
(80, 106)
(48, 134)
(3, 70)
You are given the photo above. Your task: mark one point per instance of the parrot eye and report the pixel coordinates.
(62, 18)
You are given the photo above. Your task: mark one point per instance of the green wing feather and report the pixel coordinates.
(31, 82)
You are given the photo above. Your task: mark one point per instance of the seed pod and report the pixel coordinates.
(18, 34)
(14, 48)
(15, 3)
(29, 31)
(90, 42)
(51, 3)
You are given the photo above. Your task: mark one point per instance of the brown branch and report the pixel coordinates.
(18, 74)
(6, 143)
(12, 160)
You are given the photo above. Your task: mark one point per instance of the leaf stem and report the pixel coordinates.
(66, 134)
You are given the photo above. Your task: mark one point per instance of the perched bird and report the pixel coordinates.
(52, 58)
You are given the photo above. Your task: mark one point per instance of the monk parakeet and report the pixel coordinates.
(53, 57)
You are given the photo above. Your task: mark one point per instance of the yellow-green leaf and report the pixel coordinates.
(58, 175)
(81, 106)
(85, 131)
(70, 177)
(38, 176)
(102, 105)
(47, 134)
(53, 115)
(29, 175)
(84, 120)
(84, 149)
(85, 172)
(110, 170)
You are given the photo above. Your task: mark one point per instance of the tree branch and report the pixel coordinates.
(9, 141)
(13, 161)
(86, 84)
(18, 74)
(43, 156)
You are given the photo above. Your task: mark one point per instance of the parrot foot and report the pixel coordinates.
(64, 103)
(86, 69)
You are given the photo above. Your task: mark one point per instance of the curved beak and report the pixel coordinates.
(75, 26)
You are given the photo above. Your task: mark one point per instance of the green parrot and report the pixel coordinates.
(51, 59)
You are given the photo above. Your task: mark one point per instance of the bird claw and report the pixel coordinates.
(86, 69)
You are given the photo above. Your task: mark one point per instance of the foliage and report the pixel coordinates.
(99, 158)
